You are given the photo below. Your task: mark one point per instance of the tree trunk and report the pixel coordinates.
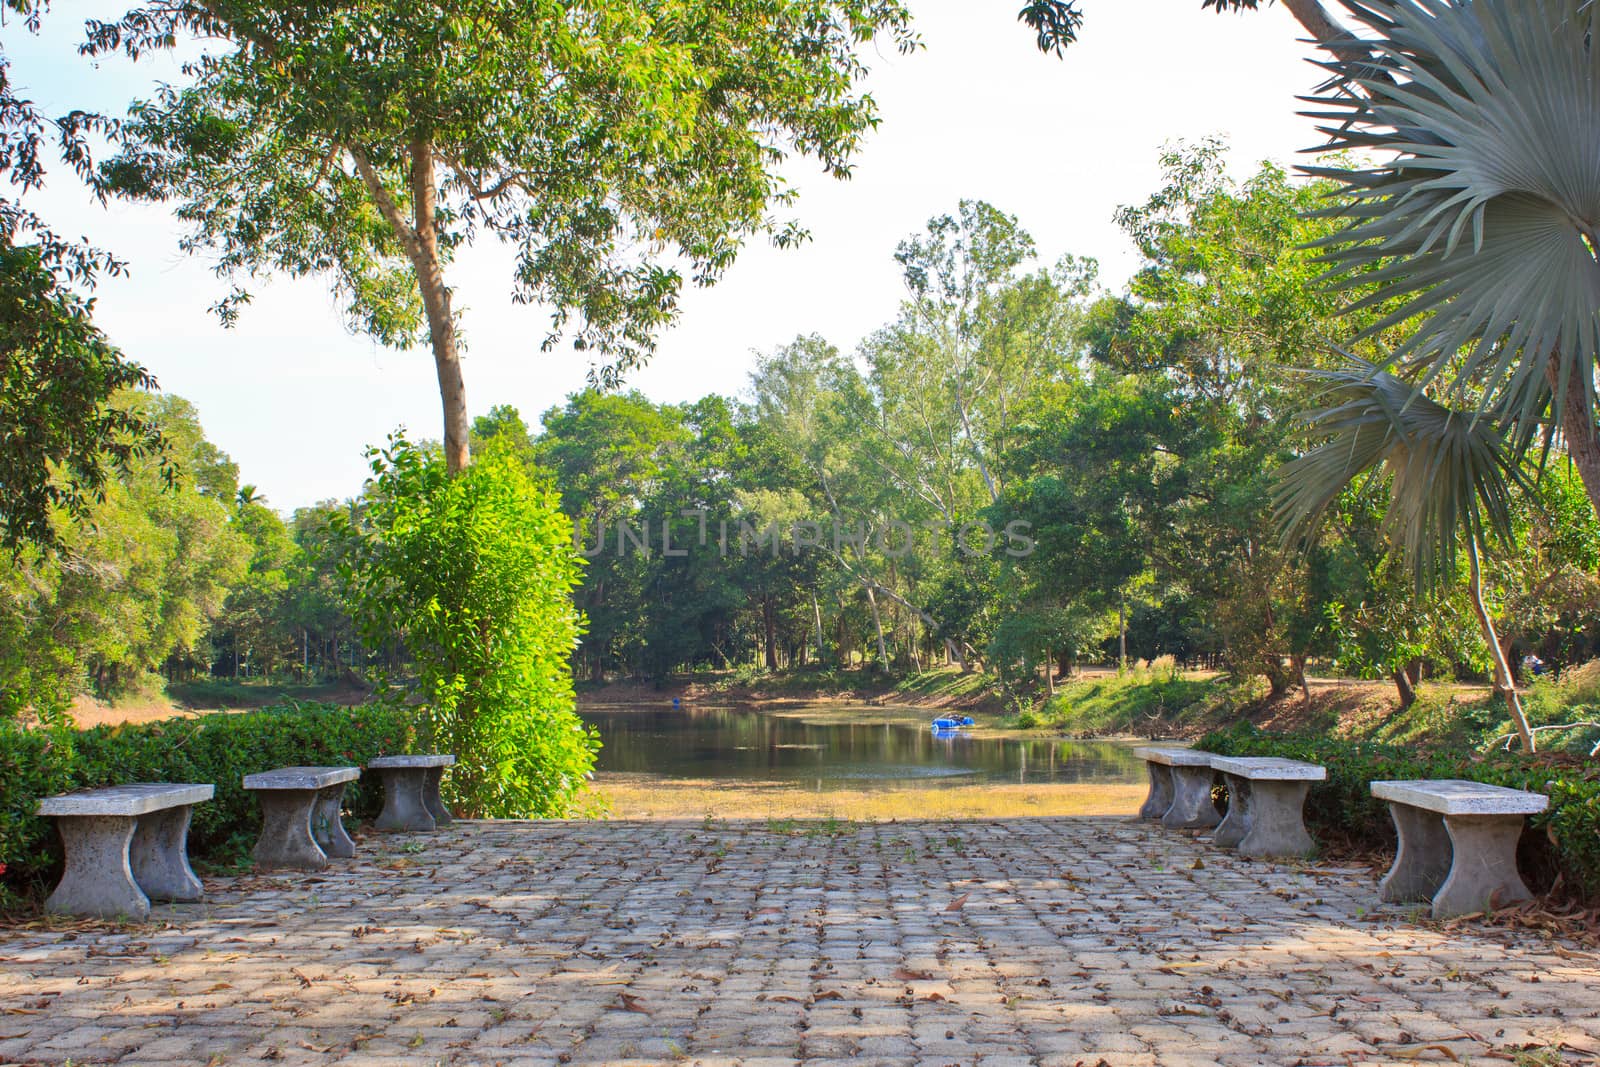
(769, 626)
(436, 301)
(1577, 426)
(1502, 670)
(420, 238)
(877, 624)
(1299, 663)
(1402, 684)
(1506, 642)
(1122, 634)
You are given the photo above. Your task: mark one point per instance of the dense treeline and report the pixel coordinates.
(1044, 472)
(1018, 472)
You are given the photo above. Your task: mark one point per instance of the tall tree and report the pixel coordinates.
(613, 144)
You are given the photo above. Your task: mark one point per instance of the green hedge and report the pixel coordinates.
(218, 748)
(1562, 846)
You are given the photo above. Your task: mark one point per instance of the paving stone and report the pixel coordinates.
(1043, 941)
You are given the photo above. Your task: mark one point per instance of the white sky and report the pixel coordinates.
(979, 114)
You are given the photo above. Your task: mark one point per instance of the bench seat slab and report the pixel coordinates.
(286, 840)
(1236, 823)
(1453, 796)
(1269, 768)
(98, 880)
(1277, 828)
(139, 798)
(302, 778)
(405, 805)
(383, 763)
(1192, 808)
(1173, 755)
(1159, 798)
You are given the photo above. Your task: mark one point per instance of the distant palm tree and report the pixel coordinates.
(1450, 473)
(1476, 222)
(248, 494)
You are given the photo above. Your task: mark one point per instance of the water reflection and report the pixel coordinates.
(689, 743)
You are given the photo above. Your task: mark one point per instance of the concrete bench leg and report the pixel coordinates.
(404, 806)
(327, 828)
(286, 839)
(1160, 798)
(1192, 808)
(1277, 821)
(1422, 860)
(431, 800)
(159, 856)
(1483, 871)
(98, 880)
(1237, 822)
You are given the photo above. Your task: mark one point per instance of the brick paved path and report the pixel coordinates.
(1052, 941)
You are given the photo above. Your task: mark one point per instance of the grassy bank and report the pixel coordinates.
(643, 797)
(1158, 703)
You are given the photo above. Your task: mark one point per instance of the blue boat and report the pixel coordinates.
(946, 723)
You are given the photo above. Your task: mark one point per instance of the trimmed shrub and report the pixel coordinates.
(220, 749)
(1560, 849)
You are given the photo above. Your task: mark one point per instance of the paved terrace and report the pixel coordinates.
(1051, 941)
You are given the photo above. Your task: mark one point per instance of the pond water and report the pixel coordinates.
(836, 747)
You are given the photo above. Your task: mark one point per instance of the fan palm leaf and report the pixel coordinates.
(1450, 473)
(1450, 478)
(1479, 219)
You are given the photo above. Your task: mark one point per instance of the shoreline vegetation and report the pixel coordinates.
(1144, 701)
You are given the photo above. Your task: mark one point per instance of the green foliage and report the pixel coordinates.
(62, 434)
(643, 137)
(1563, 843)
(219, 749)
(1138, 701)
(138, 584)
(473, 575)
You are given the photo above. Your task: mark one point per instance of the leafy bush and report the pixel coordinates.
(473, 573)
(220, 749)
(1562, 846)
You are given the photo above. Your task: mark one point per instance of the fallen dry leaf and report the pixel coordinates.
(958, 903)
(1415, 1052)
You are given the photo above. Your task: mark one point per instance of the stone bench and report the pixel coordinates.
(300, 825)
(411, 792)
(1180, 787)
(1266, 805)
(125, 846)
(1458, 843)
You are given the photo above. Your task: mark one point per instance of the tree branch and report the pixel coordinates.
(386, 205)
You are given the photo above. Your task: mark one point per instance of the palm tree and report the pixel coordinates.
(1478, 223)
(1450, 478)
